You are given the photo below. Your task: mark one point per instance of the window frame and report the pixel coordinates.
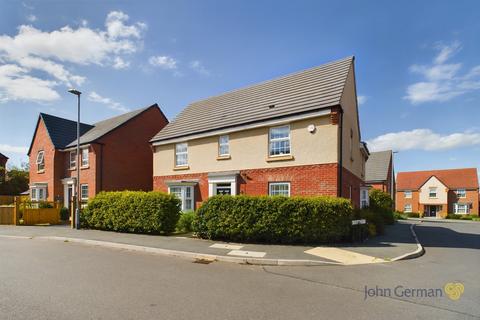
(464, 193)
(409, 205)
(82, 186)
(181, 153)
(74, 162)
(456, 208)
(430, 192)
(183, 196)
(36, 190)
(407, 194)
(278, 183)
(40, 162)
(85, 162)
(223, 144)
(271, 141)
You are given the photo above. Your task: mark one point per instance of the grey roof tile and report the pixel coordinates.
(376, 167)
(304, 91)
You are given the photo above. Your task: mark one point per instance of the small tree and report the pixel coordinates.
(16, 181)
(382, 203)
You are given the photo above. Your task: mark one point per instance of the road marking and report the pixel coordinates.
(344, 256)
(226, 246)
(254, 254)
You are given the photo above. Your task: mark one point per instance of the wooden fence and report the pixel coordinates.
(29, 213)
(32, 217)
(7, 215)
(5, 200)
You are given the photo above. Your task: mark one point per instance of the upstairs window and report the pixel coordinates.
(432, 192)
(84, 157)
(40, 161)
(351, 144)
(224, 145)
(279, 141)
(181, 154)
(461, 193)
(408, 194)
(73, 159)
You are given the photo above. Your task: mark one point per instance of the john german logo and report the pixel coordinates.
(452, 290)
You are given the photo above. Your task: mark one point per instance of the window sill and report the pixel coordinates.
(280, 158)
(181, 168)
(84, 167)
(41, 171)
(225, 157)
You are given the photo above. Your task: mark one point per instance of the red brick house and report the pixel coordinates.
(295, 135)
(115, 155)
(379, 172)
(3, 167)
(435, 193)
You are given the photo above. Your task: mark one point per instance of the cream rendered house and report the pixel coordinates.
(294, 135)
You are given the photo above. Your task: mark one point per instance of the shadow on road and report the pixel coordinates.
(439, 236)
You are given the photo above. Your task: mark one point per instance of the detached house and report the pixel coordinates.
(379, 173)
(436, 193)
(115, 155)
(296, 135)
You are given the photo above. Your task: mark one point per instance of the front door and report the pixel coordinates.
(432, 211)
(69, 195)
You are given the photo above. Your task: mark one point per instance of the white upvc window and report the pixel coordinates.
(181, 154)
(85, 160)
(408, 194)
(461, 193)
(279, 141)
(364, 198)
(279, 189)
(185, 194)
(224, 145)
(38, 193)
(84, 192)
(40, 161)
(461, 208)
(432, 192)
(407, 208)
(73, 159)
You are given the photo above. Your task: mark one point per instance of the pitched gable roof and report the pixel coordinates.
(63, 132)
(3, 156)
(377, 165)
(452, 178)
(304, 91)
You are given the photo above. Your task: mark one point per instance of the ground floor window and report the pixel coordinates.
(461, 208)
(407, 208)
(185, 194)
(279, 189)
(223, 188)
(38, 193)
(364, 198)
(84, 192)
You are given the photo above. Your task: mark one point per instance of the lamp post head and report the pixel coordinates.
(75, 92)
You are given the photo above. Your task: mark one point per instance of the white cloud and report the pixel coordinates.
(361, 100)
(31, 18)
(6, 148)
(95, 97)
(423, 139)
(442, 81)
(50, 51)
(164, 62)
(198, 67)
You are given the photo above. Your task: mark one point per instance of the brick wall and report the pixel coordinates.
(351, 183)
(400, 201)
(471, 197)
(309, 180)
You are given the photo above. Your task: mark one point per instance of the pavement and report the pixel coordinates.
(397, 242)
(43, 279)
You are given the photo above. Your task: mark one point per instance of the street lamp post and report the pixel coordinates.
(77, 188)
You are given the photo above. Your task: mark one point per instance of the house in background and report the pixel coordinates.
(436, 193)
(297, 135)
(115, 155)
(3, 167)
(379, 172)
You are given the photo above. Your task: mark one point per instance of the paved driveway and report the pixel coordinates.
(41, 279)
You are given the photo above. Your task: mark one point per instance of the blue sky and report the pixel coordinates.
(417, 63)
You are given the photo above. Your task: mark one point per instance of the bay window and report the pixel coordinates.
(185, 194)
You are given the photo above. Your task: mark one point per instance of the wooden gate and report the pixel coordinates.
(7, 215)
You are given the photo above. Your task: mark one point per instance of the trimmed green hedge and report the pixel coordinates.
(132, 211)
(274, 219)
(382, 204)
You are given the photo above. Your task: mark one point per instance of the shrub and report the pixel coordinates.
(460, 216)
(413, 215)
(274, 219)
(185, 223)
(64, 214)
(400, 215)
(382, 203)
(374, 218)
(44, 205)
(132, 211)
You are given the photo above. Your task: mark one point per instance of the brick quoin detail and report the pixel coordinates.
(309, 180)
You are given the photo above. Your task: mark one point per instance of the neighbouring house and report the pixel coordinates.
(297, 135)
(435, 193)
(115, 154)
(3, 167)
(379, 172)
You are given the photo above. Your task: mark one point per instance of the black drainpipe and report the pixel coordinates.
(340, 161)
